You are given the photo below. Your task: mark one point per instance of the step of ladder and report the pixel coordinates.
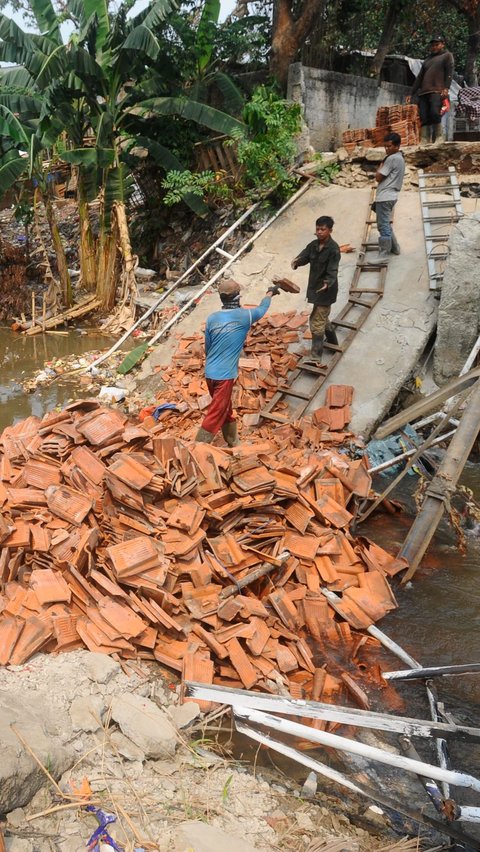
(435, 260)
(436, 205)
(290, 392)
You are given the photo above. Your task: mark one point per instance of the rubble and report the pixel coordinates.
(130, 541)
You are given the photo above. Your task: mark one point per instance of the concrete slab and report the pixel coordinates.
(386, 349)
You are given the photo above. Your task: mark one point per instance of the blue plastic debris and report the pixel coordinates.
(167, 406)
(101, 834)
(379, 452)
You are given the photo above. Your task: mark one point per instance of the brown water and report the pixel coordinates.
(438, 619)
(21, 357)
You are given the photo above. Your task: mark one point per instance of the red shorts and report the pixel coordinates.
(220, 409)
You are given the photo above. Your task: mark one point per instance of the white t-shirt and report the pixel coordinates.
(393, 167)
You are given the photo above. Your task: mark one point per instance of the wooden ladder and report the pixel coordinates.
(362, 298)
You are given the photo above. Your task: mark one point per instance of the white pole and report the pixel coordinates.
(417, 767)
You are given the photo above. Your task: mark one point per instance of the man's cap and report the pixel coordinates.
(229, 287)
(437, 37)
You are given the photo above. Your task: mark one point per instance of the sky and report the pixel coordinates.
(226, 6)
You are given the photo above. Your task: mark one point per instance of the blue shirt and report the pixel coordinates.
(225, 334)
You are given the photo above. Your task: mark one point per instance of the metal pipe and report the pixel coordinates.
(333, 775)
(432, 671)
(442, 486)
(433, 401)
(317, 710)
(418, 452)
(408, 453)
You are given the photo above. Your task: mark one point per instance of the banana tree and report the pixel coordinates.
(93, 87)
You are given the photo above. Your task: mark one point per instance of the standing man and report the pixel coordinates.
(323, 255)
(390, 179)
(432, 86)
(225, 334)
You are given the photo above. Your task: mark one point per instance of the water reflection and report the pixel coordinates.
(22, 356)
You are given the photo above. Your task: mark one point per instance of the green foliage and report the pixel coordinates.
(226, 789)
(181, 185)
(325, 171)
(267, 152)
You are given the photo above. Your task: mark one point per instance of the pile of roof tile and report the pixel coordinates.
(266, 364)
(403, 119)
(125, 539)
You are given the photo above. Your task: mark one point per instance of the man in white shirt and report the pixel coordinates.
(389, 177)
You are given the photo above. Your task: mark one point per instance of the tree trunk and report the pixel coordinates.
(473, 48)
(390, 23)
(63, 272)
(129, 260)
(87, 252)
(290, 33)
(107, 267)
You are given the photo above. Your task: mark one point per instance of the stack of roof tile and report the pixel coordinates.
(266, 364)
(403, 119)
(126, 539)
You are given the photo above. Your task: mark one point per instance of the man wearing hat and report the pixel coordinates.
(225, 333)
(432, 85)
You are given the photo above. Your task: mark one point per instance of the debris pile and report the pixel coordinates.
(403, 119)
(133, 542)
(14, 293)
(266, 365)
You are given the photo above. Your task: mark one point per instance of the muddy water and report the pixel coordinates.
(21, 357)
(438, 619)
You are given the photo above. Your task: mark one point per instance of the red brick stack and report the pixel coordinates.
(399, 118)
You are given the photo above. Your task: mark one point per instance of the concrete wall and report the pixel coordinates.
(335, 102)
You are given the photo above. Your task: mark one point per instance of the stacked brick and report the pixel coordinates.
(403, 119)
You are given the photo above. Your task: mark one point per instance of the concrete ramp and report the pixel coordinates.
(386, 348)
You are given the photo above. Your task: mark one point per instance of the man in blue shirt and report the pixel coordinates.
(225, 333)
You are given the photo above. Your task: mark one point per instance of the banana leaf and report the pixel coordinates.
(204, 41)
(192, 110)
(12, 167)
(133, 358)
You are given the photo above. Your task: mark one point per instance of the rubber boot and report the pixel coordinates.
(230, 433)
(331, 335)
(385, 247)
(204, 437)
(425, 134)
(316, 351)
(395, 246)
(438, 135)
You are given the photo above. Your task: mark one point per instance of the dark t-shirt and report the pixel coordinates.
(323, 267)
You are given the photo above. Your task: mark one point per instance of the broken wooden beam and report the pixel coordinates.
(442, 486)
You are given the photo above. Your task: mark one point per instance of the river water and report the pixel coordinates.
(21, 357)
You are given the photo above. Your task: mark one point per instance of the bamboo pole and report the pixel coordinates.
(324, 738)
(333, 775)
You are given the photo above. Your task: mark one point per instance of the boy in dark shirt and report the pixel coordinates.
(323, 255)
